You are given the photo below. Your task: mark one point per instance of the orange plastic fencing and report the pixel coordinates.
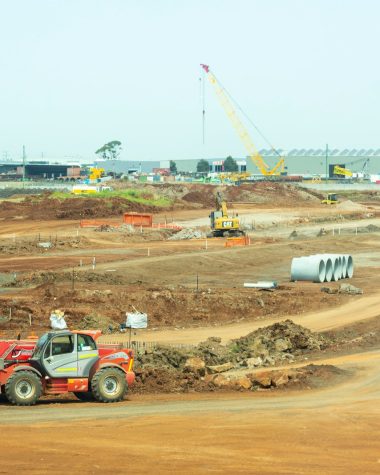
(238, 241)
(132, 219)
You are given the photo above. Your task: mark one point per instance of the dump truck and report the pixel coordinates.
(61, 362)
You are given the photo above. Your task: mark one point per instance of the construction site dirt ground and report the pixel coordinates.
(332, 427)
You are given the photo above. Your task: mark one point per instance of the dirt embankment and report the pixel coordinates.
(184, 196)
(109, 295)
(71, 208)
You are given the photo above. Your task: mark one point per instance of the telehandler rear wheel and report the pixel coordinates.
(109, 385)
(23, 388)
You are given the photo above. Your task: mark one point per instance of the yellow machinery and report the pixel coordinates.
(342, 171)
(221, 224)
(233, 177)
(331, 199)
(95, 173)
(254, 155)
(89, 189)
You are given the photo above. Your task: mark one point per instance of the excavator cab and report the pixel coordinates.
(331, 199)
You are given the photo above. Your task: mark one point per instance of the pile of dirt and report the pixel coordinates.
(201, 196)
(277, 342)
(97, 321)
(350, 206)
(187, 233)
(271, 193)
(108, 228)
(213, 365)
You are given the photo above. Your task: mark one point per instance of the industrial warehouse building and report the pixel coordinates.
(297, 162)
(316, 161)
(306, 162)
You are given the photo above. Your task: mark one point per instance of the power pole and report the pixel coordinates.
(327, 168)
(23, 165)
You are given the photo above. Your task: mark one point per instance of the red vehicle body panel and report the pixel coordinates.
(16, 353)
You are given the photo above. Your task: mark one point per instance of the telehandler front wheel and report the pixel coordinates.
(109, 385)
(23, 388)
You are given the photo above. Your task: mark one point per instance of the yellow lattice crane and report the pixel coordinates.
(254, 155)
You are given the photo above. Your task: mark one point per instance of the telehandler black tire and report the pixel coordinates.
(23, 388)
(109, 385)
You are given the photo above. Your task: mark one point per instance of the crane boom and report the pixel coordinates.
(254, 155)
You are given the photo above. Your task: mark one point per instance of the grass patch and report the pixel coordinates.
(132, 195)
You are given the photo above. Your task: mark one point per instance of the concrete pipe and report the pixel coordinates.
(328, 269)
(344, 267)
(349, 266)
(336, 264)
(337, 269)
(311, 268)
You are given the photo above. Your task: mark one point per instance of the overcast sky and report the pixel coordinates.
(78, 73)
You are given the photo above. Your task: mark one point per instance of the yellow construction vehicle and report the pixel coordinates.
(342, 171)
(331, 199)
(95, 173)
(254, 155)
(221, 224)
(233, 177)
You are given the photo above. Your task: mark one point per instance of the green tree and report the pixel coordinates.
(173, 168)
(110, 150)
(230, 165)
(203, 166)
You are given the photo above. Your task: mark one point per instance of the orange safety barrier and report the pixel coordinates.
(138, 219)
(133, 219)
(95, 223)
(238, 241)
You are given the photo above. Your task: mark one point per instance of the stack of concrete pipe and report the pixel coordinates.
(322, 267)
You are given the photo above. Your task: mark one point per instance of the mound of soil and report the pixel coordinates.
(190, 196)
(213, 365)
(71, 208)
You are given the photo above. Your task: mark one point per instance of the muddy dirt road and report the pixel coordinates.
(333, 431)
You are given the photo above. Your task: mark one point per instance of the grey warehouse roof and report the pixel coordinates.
(370, 152)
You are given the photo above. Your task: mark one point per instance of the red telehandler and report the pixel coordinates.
(64, 361)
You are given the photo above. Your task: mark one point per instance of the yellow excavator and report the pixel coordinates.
(221, 224)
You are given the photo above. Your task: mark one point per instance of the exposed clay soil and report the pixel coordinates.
(324, 420)
(165, 307)
(182, 196)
